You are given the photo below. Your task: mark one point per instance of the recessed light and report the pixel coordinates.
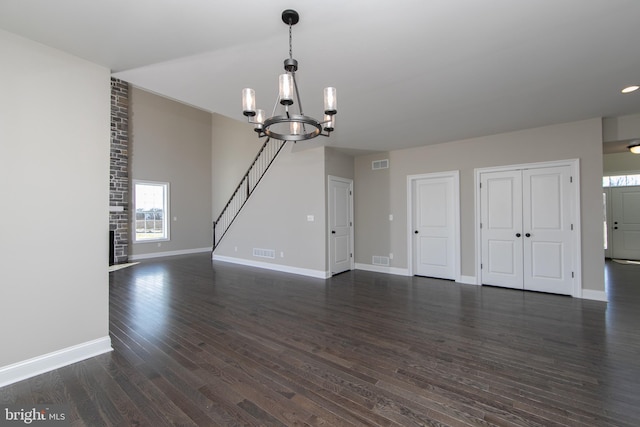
(630, 89)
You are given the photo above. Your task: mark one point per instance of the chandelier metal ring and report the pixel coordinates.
(272, 122)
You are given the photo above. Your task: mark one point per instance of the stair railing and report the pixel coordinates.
(265, 157)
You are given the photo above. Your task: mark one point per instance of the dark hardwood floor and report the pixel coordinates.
(201, 343)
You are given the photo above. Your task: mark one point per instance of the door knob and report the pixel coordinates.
(615, 228)
(415, 232)
(528, 235)
(333, 231)
(518, 234)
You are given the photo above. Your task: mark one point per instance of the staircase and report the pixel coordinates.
(267, 154)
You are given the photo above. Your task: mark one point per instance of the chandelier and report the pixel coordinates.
(288, 121)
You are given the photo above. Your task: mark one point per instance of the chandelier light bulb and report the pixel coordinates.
(295, 128)
(328, 123)
(330, 101)
(259, 120)
(286, 89)
(248, 102)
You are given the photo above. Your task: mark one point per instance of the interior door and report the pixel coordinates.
(434, 237)
(340, 224)
(501, 229)
(625, 211)
(547, 229)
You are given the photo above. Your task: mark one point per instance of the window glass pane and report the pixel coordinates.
(605, 181)
(151, 211)
(633, 179)
(618, 181)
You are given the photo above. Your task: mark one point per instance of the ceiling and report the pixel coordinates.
(408, 72)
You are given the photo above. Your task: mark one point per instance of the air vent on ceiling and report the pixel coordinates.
(264, 253)
(380, 164)
(380, 260)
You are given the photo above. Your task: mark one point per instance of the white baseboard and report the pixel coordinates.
(467, 280)
(48, 362)
(594, 295)
(382, 269)
(319, 274)
(168, 253)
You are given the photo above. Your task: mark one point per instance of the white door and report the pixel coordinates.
(547, 228)
(501, 228)
(625, 211)
(526, 228)
(340, 224)
(434, 230)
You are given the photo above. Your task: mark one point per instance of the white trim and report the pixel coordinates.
(271, 266)
(48, 362)
(467, 280)
(455, 174)
(382, 269)
(352, 220)
(594, 295)
(168, 253)
(574, 164)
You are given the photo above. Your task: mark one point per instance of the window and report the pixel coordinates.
(151, 204)
(620, 180)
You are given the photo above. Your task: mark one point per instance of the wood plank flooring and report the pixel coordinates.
(206, 344)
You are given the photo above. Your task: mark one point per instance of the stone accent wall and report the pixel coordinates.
(119, 169)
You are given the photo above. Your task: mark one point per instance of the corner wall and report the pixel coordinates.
(171, 142)
(54, 135)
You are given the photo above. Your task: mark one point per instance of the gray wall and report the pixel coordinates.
(621, 163)
(54, 139)
(581, 140)
(275, 217)
(171, 142)
(234, 146)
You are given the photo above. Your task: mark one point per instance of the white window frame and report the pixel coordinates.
(165, 217)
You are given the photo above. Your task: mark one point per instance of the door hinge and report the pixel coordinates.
(571, 227)
(572, 276)
(480, 225)
(571, 179)
(480, 266)
(480, 185)
(350, 224)
(350, 255)
(350, 192)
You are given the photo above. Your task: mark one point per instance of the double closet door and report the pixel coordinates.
(526, 229)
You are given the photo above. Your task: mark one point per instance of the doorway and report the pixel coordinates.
(623, 222)
(340, 205)
(528, 229)
(434, 225)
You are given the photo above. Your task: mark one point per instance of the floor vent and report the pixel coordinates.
(264, 253)
(380, 260)
(380, 164)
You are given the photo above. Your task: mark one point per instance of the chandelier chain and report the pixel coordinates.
(290, 42)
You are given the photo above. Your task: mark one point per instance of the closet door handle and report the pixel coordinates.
(518, 234)
(527, 235)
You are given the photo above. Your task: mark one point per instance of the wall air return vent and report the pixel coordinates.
(264, 253)
(380, 164)
(380, 260)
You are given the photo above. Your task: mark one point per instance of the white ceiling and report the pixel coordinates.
(408, 72)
